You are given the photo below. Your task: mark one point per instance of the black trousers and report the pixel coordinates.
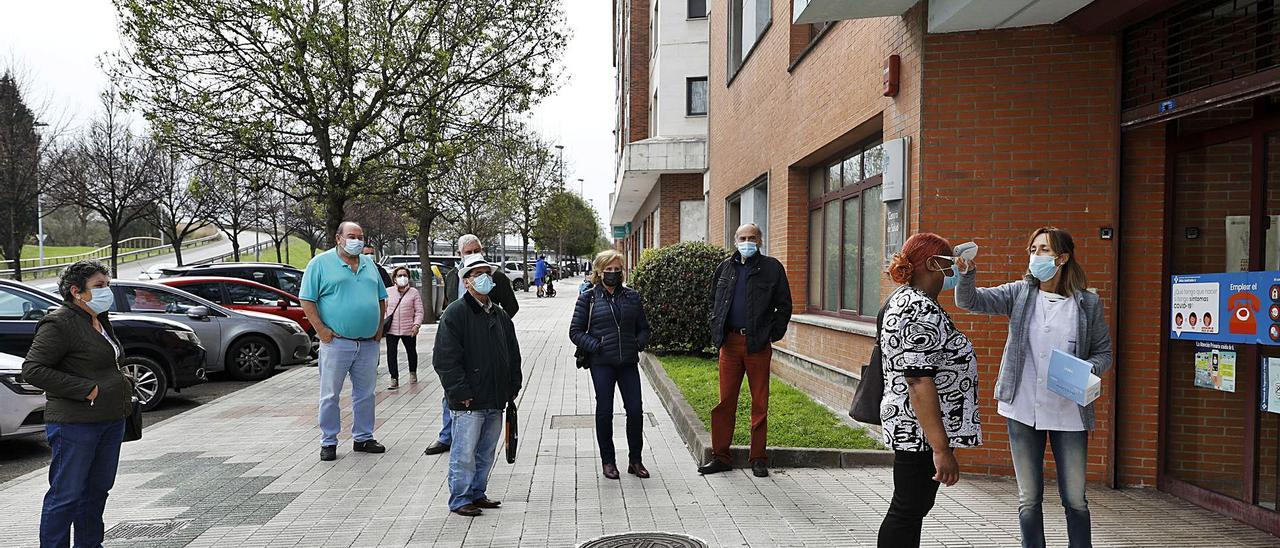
(410, 348)
(627, 379)
(913, 494)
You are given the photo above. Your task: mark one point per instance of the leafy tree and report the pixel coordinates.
(567, 224)
(233, 193)
(20, 157)
(180, 209)
(532, 166)
(108, 170)
(332, 91)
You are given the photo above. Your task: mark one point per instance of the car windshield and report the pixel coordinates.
(146, 299)
(19, 306)
(289, 281)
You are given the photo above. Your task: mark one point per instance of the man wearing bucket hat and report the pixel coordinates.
(478, 360)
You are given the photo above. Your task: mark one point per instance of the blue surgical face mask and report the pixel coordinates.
(100, 299)
(483, 284)
(747, 249)
(950, 282)
(1043, 267)
(353, 247)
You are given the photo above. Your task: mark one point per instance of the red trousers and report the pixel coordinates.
(734, 362)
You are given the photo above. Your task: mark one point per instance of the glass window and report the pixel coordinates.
(696, 91)
(851, 250)
(210, 291)
(846, 239)
(697, 9)
(18, 306)
(872, 250)
(289, 281)
(145, 299)
(748, 20)
(245, 295)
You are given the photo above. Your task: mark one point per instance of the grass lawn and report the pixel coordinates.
(299, 253)
(795, 420)
(33, 252)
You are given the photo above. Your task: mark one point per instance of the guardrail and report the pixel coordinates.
(105, 253)
(231, 255)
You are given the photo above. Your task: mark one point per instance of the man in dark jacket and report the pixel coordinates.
(502, 294)
(478, 360)
(750, 309)
(386, 277)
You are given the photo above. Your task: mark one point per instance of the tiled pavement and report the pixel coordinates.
(244, 471)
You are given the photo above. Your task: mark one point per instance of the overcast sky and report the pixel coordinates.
(56, 44)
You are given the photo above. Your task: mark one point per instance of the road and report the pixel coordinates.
(22, 455)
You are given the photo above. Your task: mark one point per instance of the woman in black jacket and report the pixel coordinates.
(75, 359)
(609, 325)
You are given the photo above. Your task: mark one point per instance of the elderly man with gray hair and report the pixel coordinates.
(454, 289)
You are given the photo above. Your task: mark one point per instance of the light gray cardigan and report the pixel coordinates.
(1016, 300)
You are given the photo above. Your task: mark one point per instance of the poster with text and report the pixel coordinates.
(1204, 370)
(1195, 305)
(1225, 380)
(1271, 385)
(1216, 366)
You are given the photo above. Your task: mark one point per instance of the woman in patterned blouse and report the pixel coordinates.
(930, 402)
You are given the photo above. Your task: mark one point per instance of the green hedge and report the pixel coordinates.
(675, 283)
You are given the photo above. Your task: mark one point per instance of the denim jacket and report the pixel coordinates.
(1015, 300)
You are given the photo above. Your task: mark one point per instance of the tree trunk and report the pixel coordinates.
(177, 249)
(335, 203)
(428, 277)
(235, 245)
(115, 252)
(524, 248)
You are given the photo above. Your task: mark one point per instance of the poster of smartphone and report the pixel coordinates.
(1271, 385)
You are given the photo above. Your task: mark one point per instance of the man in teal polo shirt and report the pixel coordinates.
(344, 299)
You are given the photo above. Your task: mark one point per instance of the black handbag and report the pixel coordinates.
(133, 424)
(386, 322)
(582, 357)
(513, 434)
(866, 399)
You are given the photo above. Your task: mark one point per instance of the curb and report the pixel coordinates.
(698, 440)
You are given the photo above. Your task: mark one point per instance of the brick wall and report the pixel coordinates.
(638, 70)
(1019, 131)
(1139, 333)
(672, 189)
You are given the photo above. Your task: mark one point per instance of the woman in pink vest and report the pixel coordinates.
(404, 314)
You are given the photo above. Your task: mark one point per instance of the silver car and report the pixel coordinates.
(21, 403)
(247, 345)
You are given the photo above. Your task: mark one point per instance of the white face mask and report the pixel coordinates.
(402, 281)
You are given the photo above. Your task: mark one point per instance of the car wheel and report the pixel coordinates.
(150, 379)
(251, 359)
(517, 284)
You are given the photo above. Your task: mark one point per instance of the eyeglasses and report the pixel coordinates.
(951, 264)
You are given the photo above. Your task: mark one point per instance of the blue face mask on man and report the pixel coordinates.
(747, 249)
(483, 284)
(100, 299)
(353, 247)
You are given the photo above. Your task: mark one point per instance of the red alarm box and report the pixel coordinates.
(892, 67)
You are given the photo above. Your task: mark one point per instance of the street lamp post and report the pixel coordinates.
(560, 149)
(581, 188)
(40, 236)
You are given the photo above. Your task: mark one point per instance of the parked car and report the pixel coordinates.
(21, 403)
(280, 276)
(241, 294)
(515, 271)
(159, 353)
(247, 345)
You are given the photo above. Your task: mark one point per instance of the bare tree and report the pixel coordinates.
(108, 170)
(232, 196)
(180, 209)
(533, 168)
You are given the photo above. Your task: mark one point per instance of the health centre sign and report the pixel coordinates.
(1236, 307)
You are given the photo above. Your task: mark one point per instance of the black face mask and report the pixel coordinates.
(613, 279)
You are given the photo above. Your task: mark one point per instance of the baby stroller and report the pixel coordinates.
(551, 287)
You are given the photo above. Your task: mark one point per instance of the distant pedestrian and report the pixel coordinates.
(609, 324)
(1049, 309)
(369, 252)
(478, 360)
(930, 400)
(454, 289)
(404, 306)
(345, 301)
(540, 274)
(750, 309)
(75, 359)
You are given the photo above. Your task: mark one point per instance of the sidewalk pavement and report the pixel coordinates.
(244, 470)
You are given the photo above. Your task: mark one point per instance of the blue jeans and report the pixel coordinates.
(627, 379)
(475, 438)
(446, 431)
(1070, 452)
(339, 358)
(83, 469)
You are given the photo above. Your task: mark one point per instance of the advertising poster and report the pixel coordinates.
(1271, 385)
(1216, 366)
(1240, 307)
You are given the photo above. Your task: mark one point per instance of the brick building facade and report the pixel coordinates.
(1070, 115)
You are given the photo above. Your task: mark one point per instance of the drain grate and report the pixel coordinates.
(146, 529)
(644, 540)
(560, 422)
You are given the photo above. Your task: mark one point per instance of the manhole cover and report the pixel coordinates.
(645, 540)
(145, 529)
(589, 421)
